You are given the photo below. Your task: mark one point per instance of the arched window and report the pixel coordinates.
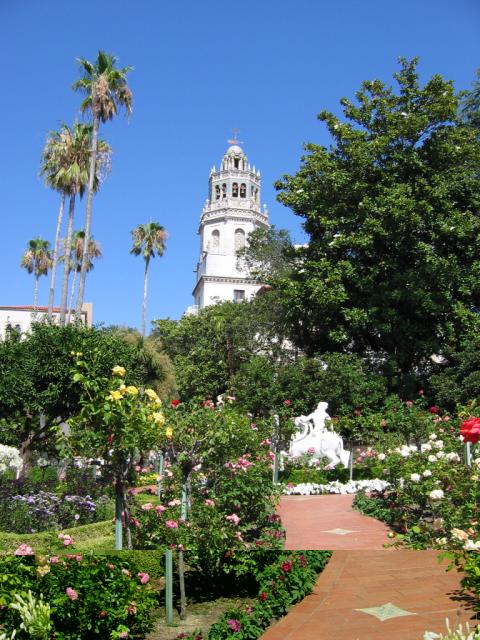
(256, 195)
(251, 191)
(243, 190)
(217, 192)
(239, 239)
(215, 241)
(236, 163)
(224, 190)
(235, 190)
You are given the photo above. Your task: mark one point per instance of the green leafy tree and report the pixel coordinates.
(37, 259)
(208, 349)
(106, 91)
(36, 378)
(148, 241)
(391, 207)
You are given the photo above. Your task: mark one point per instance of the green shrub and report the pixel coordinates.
(90, 598)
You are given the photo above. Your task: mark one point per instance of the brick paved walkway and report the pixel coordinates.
(329, 522)
(412, 581)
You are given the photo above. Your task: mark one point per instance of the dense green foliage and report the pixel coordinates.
(391, 208)
(90, 597)
(36, 377)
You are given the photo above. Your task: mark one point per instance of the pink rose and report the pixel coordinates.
(171, 524)
(54, 560)
(233, 518)
(144, 577)
(23, 550)
(209, 503)
(160, 508)
(147, 506)
(71, 593)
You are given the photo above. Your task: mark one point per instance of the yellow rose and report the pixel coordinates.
(118, 371)
(159, 418)
(131, 390)
(169, 432)
(152, 396)
(116, 396)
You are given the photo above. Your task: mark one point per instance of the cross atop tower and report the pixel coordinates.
(235, 139)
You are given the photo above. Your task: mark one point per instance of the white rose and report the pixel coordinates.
(432, 458)
(427, 473)
(453, 457)
(438, 444)
(415, 477)
(436, 494)
(381, 456)
(440, 454)
(433, 436)
(426, 447)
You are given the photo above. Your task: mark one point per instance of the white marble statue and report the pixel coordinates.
(313, 435)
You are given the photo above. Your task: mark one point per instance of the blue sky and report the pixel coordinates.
(266, 67)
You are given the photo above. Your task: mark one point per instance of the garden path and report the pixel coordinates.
(329, 522)
(373, 595)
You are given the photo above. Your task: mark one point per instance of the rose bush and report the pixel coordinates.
(90, 598)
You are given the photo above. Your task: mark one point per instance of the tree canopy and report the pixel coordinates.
(392, 210)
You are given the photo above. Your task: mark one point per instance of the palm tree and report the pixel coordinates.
(94, 252)
(37, 259)
(106, 90)
(66, 165)
(148, 240)
(51, 166)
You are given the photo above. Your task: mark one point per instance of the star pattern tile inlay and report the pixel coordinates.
(386, 611)
(339, 532)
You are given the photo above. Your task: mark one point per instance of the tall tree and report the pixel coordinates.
(106, 90)
(149, 241)
(392, 209)
(51, 168)
(76, 254)
(37, 259)
(65, 164)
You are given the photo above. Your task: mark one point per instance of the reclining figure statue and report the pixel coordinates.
(314, 436)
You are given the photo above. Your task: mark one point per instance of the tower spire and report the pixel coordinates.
(235, 139)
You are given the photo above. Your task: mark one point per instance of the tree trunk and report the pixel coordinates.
(128, 531)
(88, 218)
(66, 261)
(35, 296)
(70, 304)
(145, 285)
(26, 454)
(55, 258)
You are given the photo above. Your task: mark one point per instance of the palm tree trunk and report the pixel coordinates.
(88, 218)
(35, 296)
(66, 262)
(55, 258)
(72, 293)
(145, 285)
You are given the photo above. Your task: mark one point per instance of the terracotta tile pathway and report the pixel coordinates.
(329, 522)
(412, 581)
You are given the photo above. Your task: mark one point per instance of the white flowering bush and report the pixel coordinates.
(10, 459)
(432, 498)
(310, 488)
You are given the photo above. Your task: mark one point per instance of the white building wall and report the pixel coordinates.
(22, 317)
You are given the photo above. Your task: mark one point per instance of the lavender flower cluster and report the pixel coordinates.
(45, 511)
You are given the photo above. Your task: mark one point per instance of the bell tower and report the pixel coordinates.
(231, 212)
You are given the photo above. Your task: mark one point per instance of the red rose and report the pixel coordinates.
(110, 438)
(357, 412)
(287, 403)
(175, 403)
(434, 409)
(286, 566)
(470, 430)
(263, 596)
(421, 392)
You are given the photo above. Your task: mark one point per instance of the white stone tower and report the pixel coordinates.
(232, 211)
